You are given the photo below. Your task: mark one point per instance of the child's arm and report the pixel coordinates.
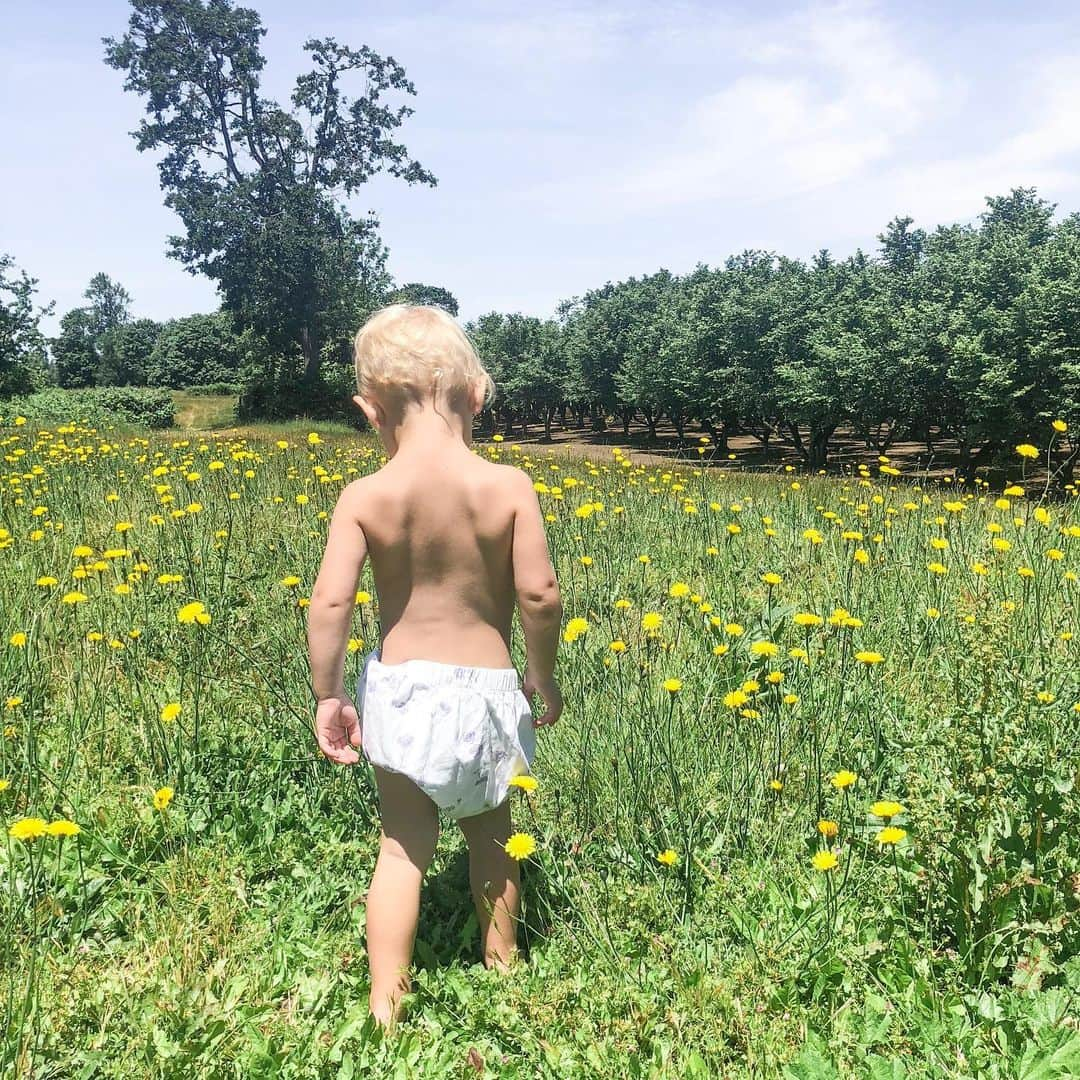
(329, 618)
(538, 598)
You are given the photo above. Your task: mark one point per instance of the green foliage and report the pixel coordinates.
(526, 358)
(22, 345)
(99, 344)
(967, 333)
(431, 295)
(197, 351)
(74, 355)
(99, 406)
(218, 389)
(126, 352)
(282, 393)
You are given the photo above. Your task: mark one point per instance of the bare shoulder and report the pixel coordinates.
(355, 493)
(507, 480)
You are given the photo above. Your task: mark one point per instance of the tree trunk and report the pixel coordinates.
(1065, 470)
(627, 417)
(309, 347)
(797, 441)
(678, 424)
(650, 419)
(970, 461)
(818, 457)
(549, 414)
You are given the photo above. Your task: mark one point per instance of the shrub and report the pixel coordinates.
(216, 389)
(284, 396)
(197, 350)
(100, 406)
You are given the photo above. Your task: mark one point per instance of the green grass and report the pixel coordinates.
(223, 935)
(204, 412)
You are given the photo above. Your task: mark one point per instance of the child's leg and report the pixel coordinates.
(410, 828)
(495, 883)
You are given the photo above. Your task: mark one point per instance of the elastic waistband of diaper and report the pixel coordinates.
(434, 671)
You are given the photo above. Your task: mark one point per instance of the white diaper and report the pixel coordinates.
(461, 734)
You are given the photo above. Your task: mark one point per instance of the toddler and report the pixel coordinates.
(453, 541)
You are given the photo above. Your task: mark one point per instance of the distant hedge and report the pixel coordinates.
(217, 389)
(99, 406)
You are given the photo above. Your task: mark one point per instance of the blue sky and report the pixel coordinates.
(576, 143)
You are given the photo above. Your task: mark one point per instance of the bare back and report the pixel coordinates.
(440, 530)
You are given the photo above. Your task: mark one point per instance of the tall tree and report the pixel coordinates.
(22, 345)
(125, 354)
(642, 379)
(75, 357)
(110, 307)
(196, 351)
(258, 185)
(84, 352)
(979, 344)
(431, 295)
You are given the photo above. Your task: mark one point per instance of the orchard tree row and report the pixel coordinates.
(969, 333)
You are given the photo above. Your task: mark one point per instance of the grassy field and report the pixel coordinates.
(204, 412)
(755, 668)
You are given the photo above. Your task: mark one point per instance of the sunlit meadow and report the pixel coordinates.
(811, 810)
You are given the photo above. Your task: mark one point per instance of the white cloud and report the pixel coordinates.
(1044, 153)
(823, 96)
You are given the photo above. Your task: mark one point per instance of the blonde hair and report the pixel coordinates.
(413, 352)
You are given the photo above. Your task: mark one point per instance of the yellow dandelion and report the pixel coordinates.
(27, 828)
(62, 827)
(520, 846)
(890, 836)
(195, 612)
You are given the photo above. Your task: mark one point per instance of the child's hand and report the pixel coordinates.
(337, 727)
(550, 692)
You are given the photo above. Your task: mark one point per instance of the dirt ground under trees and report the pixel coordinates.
(846, 452)
(846, 449)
